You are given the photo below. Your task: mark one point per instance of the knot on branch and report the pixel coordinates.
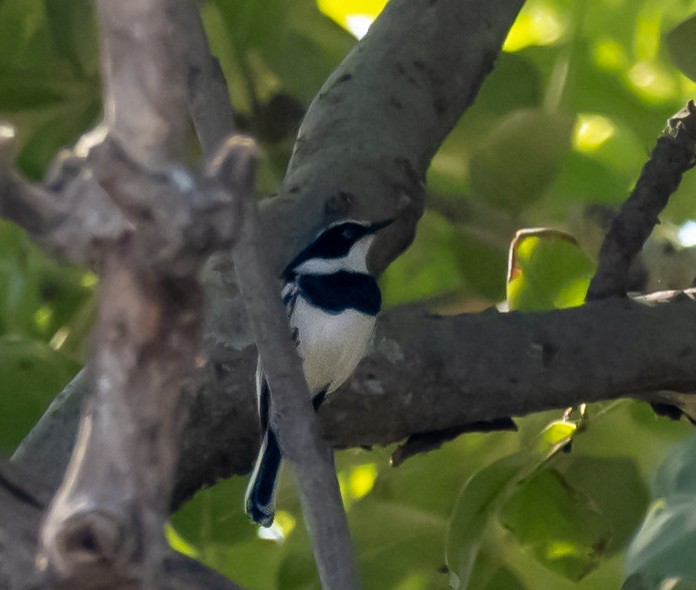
(84, 546)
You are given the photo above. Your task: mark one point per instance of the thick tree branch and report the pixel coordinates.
(430, 372)
(368, 137)
(104, 526)
(22, 501)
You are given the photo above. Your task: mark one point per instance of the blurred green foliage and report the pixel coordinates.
(560, 130)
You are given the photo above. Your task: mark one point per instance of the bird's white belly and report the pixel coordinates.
(331, 346)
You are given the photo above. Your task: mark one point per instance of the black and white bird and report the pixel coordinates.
(332, 304)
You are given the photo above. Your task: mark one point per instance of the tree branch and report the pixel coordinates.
(71, 216)
(293, 416)
(366, 142)
(516, 364)
(104, 526)
(22, 502)
(673, 155)
(207, 95)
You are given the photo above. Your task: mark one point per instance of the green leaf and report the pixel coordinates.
(253, 564)
(547, 270)
(597, 477)
(511, 70)
(61, 129)
(74, 32)
(396, 541)
(215, 515)
(297, 570)
(20, 91)
(312, 48)
(477, 504)
(24, 41)
(481, 265)
(520, 158)
(505, 579)
(289, 39)
(663, 546)
(429, 270)
(558, 524)
(681, 44)
(38, 296)
(31, 374)
(486, 492)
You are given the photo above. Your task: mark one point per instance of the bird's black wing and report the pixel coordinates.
(264, 394)
(341, 290)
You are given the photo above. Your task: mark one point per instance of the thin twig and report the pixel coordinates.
(299, 436)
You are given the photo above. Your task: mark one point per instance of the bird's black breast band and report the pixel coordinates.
(341, 290)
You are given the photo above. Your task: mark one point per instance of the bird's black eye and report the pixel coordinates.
(348, 233)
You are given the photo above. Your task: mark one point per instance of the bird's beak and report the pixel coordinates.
(378, 225)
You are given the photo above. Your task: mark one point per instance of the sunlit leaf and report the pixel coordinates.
(652, 81)
(178, 543)
(557, 432)
(539, 23)
(353, 15)
(591, 131)
(546, 270)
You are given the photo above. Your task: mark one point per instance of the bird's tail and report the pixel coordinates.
(260, 494)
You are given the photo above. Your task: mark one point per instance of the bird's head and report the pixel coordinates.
(343, 245)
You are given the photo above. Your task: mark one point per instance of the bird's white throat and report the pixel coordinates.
(354, 261)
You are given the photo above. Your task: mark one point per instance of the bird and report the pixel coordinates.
(332, 303)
